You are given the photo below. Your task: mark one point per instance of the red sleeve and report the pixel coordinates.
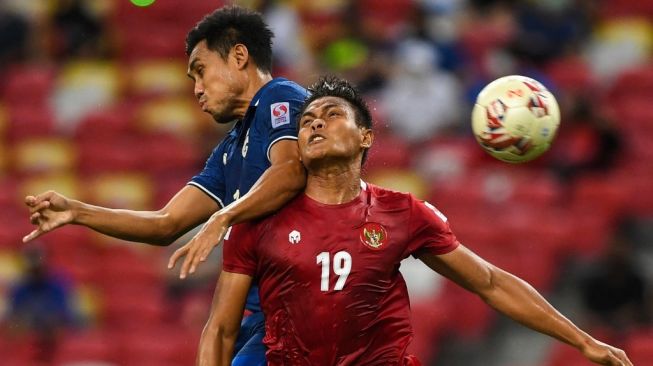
(239, 252)
(429, 230)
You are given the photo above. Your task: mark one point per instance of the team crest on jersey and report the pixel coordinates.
(280, 114)
(373, 235)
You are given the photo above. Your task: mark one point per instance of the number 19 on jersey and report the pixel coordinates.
(341, 267)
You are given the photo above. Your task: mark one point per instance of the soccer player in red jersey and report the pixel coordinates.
(327, 264)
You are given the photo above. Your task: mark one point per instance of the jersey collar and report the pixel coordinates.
(257, 97)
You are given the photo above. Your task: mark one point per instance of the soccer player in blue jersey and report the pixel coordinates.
(251, 173)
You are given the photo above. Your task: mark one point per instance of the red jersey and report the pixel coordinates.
(329, 278)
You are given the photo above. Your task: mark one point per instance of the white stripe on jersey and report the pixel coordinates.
(287, 137)
(216, 198)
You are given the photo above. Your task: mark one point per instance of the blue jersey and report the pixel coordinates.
(244, 154)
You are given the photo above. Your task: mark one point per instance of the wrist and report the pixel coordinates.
(585, 342)
(77, 211)
(224, 217)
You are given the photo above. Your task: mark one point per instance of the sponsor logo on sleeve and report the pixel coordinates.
(280, 114)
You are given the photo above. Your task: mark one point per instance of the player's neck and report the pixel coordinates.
(256, 79)
(334, 185)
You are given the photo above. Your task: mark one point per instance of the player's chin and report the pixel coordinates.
(220, 117)
(313, 156)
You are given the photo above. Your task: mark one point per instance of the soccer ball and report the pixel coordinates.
(515, 119)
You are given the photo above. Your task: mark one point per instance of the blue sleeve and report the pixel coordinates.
(280, 108)
(211, 179)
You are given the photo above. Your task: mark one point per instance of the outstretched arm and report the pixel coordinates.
(221, 330)
(517, 299)
(187, 209)
(281, 182)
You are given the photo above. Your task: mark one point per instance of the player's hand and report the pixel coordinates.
(48, 211)
(604, 354)
(199, 247)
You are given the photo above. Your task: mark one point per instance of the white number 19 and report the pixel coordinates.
(341, 267)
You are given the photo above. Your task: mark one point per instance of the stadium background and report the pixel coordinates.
(96, 104)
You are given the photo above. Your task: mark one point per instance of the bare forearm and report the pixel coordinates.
(215, 348)
(278, 185)
(222, 327)
(141, 226)
(521, 302)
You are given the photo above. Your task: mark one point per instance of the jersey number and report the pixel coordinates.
(341, 267)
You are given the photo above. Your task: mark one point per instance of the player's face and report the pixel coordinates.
(328, 130)
(217, 81)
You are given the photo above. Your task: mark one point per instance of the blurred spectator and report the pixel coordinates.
(40, 304)
(14, 32)
(291, 56)
(587, 142)
(420, 100)
(77, 33)
(549, 29)
(613, 289)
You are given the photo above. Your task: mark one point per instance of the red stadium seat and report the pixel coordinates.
(10, 198)
(388, 151)
(15, 225)
(26, 120)
(107, 125)
(639, 347)
(468, 317)
(428, 321)
(127, 307)
(167, 154)
(28, 85)
(604, 194)
(392, 14)
(590, 229)
(634, 82)
(120, 155)
(156, 345)
(571, 74)
(85, 347)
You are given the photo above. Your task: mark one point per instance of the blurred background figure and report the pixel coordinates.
(40, 305)
(95, 103)
(613, 288)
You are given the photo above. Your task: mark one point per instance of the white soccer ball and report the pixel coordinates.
(515, 119)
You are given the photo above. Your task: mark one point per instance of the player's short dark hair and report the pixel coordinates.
(333, 86)
(229, 26)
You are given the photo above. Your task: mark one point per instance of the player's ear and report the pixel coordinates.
(240, 55)
(367, 138)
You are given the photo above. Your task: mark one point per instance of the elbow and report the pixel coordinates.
(489, 286)
(168, 231)
(221, 331)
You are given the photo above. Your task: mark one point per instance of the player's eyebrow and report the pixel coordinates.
(191, 67)
(325, 108)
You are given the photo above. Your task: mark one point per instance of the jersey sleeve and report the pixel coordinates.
(281, 109)
(239, 252)
(429, 230)
(211, 179)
